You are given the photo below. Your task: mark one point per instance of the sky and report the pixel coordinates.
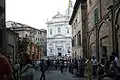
(34, 12)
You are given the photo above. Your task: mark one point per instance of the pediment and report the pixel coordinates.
(59, 36)
(58, 15)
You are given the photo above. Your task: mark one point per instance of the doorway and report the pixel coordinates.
(59, 54)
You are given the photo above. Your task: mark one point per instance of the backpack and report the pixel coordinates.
(42, 66)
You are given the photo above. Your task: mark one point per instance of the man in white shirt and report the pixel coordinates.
(94, 65)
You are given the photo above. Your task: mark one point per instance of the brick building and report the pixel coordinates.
(103, 27)
(78, 22)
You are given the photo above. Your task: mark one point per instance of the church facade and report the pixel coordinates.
(59, 42)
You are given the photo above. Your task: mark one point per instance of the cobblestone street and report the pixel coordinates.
(57, 75)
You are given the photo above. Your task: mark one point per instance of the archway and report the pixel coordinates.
(117, 23)
(92, 44)
(104, 38)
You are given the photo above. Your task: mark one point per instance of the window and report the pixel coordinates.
(96, 16)
(67, 31)
(59, 30)
(68, 51)
(50, 50)
(79, 38)
(38, 39)
(59, 49)
(75, 22)
(39, 32)
(50, 32)
(73, 42)
(26, 35)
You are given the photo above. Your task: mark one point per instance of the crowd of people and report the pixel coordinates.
(105, 68)
(25, 68)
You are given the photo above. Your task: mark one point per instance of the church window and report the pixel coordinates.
(50, 32)
(59, 49)
(59, 30)
(67, 31)
(50, 50)
(68, 51)
(79, 38)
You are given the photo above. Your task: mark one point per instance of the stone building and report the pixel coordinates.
(12, 45)
(41, 40)
(37, 36)
(59, 41)
(103, 27)
(78, 23)
(35, 51)
(3, 30)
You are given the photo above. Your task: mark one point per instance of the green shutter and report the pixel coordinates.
(96, 16)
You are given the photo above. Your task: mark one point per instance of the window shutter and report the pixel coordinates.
(96, 16)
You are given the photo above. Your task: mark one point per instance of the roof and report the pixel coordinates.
(58, 15)
(12, 32)
(25, 26)
(75, 9)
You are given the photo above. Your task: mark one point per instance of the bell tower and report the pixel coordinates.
(70, 8)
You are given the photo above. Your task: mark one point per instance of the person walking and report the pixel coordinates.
(5, 68)
(94, 65)
(75, 70)
(48, 64)
(101, 68)
(65, 65)
(61, 65)
(82, 67)
(42, 68)
(26, 71)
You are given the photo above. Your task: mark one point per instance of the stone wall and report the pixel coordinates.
(117, 23)
(12, 45)
(103, 27)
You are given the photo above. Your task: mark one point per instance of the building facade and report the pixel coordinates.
(12, 45)
(78, 23)
(59, 34)
(103, 27)
(41, 40)
(3, 31)
(38, 37)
